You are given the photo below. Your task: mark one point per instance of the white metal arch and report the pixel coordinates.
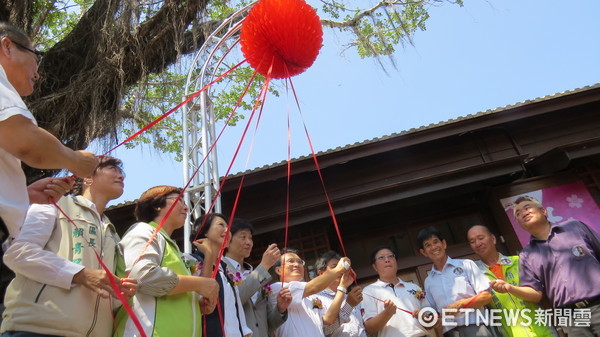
(199, 119)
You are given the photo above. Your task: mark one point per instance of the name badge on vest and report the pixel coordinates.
(505, 261)
(458, 271)
(578, 251)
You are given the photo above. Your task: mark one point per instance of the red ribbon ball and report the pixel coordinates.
(282, 35)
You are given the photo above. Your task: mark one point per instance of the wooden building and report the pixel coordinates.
(450, 175)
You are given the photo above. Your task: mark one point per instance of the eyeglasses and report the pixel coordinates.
(176, 197)
(38, 54)
(385, 257)
(294, 261)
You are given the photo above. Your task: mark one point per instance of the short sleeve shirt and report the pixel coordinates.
(566, 266)
(406, 296)
(304, 317)
(457, 280)
(14, 199)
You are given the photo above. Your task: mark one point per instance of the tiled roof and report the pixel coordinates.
(426, 127)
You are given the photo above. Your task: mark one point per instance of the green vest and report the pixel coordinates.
(174, 315)
(507, 302)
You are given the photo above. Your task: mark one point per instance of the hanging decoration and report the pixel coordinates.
(282, 35)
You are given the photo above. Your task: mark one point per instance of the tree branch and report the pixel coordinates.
(368, 12)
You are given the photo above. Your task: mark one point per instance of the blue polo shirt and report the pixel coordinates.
(566, 266)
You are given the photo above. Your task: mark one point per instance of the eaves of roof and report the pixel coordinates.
(483, 119)
(439, 130)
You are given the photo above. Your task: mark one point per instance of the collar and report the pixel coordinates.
(247, 266)
(162, 231)
(504, 260)
(383, 284)
(84, 202)
(554, 228)
(449, 262)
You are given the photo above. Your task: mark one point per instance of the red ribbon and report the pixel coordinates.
(380, 300)
(166, 114)
(312, 150)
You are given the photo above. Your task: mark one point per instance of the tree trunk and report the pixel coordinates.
(83, 77)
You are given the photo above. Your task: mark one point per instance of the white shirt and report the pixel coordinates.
(244, 273)
(457, 280)
(232, 326)
(349, 322)
(27, 257)
(304, 319)
(231, 323)
(14, 199)
(405, 295)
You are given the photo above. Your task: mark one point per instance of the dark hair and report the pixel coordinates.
(426, 234)
(285, 251)
(321, 263)
(151, 201)
(379, 248)
(199, 231)
(14, 33)
(485, 228)
(105, 161)
(238, 224)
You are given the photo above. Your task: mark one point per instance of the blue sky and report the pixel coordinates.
(484, 55)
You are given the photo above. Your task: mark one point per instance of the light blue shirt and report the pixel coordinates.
(457, 280)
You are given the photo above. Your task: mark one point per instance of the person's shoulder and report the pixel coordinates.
(137, 229)
(297, 284)
(228, 262)
(411, 285)
(12, 108)
(428, 281)
(140, 226)
(275, 287)
(482, 266)
(573, 225)
(371, 287)
(469, 263)
(463, 263)
(39, 208)
(526, 251)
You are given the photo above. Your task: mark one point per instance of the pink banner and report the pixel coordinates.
(563, 203)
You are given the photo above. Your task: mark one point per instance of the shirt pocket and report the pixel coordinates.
(462, 287)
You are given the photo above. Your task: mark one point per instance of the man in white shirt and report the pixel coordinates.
(341, 309)
(20, 137)
(304, 318)
(454, 284)
(60, 288)
(261, 316)
(389, 303)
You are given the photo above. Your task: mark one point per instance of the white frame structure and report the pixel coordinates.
(199, 120)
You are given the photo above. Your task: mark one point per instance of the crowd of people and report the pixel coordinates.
(72, 269)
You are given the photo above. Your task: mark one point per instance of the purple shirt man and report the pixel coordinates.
(566, 266)
(561, 261)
